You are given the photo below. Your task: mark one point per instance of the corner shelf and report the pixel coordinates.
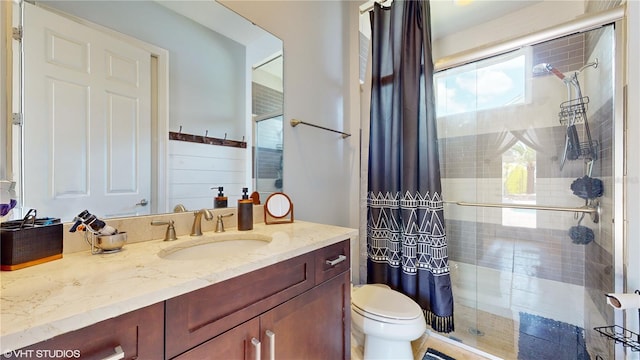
(620, 335)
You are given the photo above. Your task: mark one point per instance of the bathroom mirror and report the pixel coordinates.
(202, 58)
(278, 209)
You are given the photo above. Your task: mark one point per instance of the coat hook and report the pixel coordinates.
(225, 136)
(242, 138)
(206, 132)
(180, 131)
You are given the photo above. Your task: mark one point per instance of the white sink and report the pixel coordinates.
(211, 247)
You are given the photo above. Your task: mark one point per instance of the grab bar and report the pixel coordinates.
(593, 208)
(296, 122)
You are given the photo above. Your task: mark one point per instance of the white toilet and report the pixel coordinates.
(386, 320)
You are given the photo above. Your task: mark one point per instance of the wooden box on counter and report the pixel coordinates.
(26, 244)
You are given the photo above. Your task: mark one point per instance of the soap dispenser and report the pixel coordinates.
(220, 201)
(245, 211)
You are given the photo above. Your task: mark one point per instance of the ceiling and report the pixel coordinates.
(447, 16)
(216, 17)
(450, 16)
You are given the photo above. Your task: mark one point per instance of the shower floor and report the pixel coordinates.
(485, 331)
(515, 316)
(532, 338)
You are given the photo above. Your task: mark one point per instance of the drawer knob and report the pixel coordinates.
(336, 261)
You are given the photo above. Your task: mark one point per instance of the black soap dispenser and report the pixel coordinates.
(245, 211)
(220, 201)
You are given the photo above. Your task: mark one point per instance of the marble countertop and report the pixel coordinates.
(43, 301)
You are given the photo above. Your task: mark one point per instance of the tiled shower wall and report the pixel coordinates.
(265, 100)
(477, 157)
(476, 242)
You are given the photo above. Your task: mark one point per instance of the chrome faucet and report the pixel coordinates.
(220, 223)
(196, 229)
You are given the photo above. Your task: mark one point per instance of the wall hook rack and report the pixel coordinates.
(207, 139)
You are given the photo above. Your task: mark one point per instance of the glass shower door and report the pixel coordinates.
(521, 130)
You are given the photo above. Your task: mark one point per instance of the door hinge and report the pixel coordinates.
(17, 33)
(16, 119)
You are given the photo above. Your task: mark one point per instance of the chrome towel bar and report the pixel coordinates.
(592, 208)
(296, 122)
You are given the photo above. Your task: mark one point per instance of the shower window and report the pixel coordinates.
(519, 185)
(489, 84)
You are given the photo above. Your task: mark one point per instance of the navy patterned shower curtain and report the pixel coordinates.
(406, 239)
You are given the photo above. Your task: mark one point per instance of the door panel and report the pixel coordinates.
(87, 119)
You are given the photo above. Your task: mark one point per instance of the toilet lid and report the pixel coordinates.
(385, 302)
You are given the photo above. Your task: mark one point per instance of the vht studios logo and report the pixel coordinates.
(43, 354)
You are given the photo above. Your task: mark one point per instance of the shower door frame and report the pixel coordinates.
(615, 17)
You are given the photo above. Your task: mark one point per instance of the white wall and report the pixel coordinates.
(633, 159)
(194, 169)
(7, 12)
(318, 165)
(4, 9)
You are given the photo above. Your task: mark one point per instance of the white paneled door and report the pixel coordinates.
(87, 119)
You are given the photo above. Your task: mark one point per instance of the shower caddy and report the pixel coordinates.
(574, 112)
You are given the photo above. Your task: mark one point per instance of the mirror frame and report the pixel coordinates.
(278, 201)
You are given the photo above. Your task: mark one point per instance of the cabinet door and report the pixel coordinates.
(139, 334)
(234, 344)
(313, 325)
(203, 314)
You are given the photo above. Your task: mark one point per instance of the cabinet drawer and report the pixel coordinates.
(332, 260)
(196, 317)
(139, 334)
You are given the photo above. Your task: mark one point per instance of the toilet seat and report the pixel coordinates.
(385, 305)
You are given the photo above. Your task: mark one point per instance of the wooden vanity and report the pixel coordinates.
(292, 309)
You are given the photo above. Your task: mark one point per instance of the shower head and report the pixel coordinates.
(544, 68)
(540, 69)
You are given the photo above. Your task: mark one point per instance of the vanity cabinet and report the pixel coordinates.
(299, 308)
(138, 334)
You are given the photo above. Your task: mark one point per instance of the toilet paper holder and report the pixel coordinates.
(619, 334)
(624, 301)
